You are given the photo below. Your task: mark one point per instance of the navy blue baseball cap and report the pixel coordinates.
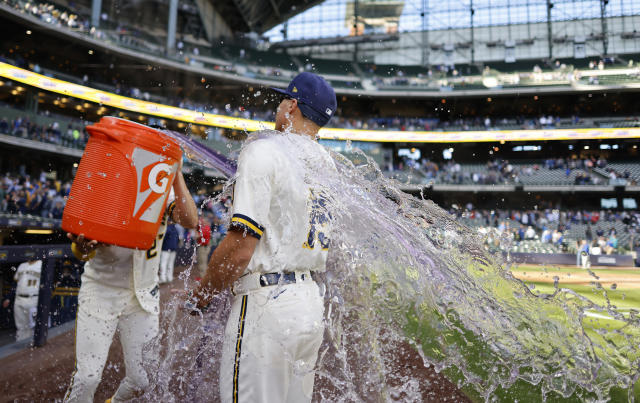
(316, 98)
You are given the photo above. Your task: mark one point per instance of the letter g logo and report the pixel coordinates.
(153, 178)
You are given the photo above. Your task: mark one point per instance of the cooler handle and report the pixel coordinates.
(109, 134)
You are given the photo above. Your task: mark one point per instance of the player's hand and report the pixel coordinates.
(5, 303)
(85, 246)
(193, 303)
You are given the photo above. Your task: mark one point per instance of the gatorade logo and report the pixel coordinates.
(153, 180)
(154, 176)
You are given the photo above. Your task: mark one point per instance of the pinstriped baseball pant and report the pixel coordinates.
(271, 345)
(93, 339)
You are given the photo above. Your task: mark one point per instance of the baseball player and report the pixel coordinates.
(277, 240)
(168, 254)
(120, 291)
(26, 302)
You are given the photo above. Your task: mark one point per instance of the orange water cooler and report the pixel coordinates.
(122, 184)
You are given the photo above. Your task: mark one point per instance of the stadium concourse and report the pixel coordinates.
(520, 121)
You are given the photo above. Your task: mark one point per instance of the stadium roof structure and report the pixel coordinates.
(260, 15)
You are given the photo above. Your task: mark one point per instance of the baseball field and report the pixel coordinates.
(43, 374)
(615, 288)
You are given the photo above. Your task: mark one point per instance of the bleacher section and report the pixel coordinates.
(632, 168)
(531, 174)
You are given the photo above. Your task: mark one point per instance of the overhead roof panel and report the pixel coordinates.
(260, 15)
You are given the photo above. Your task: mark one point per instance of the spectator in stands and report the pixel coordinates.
(612, 244)
(57, 210)
(530, 233)
(588, 234)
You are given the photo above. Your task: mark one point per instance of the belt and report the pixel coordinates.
(254, 281)
(27, 295)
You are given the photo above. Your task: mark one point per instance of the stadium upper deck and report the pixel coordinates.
(247, 65)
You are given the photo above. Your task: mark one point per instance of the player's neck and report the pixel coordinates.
(304, 127)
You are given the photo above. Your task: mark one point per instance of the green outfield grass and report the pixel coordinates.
(550, 269)
(622, 297)
(430, 333)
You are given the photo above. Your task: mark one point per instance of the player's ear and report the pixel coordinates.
(293, 105)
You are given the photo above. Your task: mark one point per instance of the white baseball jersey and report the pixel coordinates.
(273, 201)
(116, 271)
(28, 278)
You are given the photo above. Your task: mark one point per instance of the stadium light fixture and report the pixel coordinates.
(39, 231)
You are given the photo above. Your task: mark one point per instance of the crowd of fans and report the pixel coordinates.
(505, 172)
(40, 196)
(555, 227)
(54, 133)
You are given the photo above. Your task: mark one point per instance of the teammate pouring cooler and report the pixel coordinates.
(120, 291)
(277, 240)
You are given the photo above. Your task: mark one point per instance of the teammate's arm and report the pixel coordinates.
(227, 263)
(185, 211)
(82, 248)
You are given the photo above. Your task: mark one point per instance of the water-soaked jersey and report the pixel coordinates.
(274, 202)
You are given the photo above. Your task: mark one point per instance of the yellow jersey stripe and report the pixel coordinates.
(248, 224)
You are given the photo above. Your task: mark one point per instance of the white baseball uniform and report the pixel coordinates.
(119, 291)
(167, 265)
(274, 332)
(26, 302)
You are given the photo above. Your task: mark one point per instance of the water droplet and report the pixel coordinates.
(80, 222)
(89, 187)
(88, 174)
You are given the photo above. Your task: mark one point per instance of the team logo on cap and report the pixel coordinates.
(294, 89)
(328, 111)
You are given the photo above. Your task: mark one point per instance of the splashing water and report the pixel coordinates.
(403, 272)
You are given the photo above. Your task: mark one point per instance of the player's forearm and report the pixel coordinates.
(185, 211)
(227, 263)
